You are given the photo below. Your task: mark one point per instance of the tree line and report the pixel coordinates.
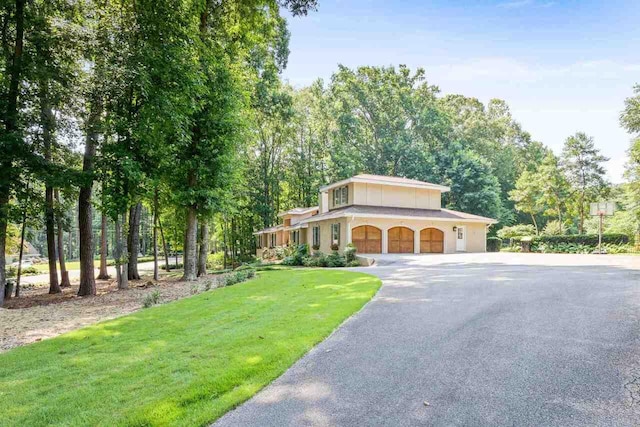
(174, 114)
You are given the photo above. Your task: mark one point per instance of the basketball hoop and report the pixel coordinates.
(601, 209)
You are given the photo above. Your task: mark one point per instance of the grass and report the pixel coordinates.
(183, 363)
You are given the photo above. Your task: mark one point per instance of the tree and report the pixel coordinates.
(554, 187)
(527, 195)
(582, 165)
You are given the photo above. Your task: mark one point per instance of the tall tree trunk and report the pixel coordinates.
(47, 123)
(64, 274)
(190, 245)
(204, 249)
(122, 252)
(104, 272)
(156, 273)
(21, 251)
(164, 246)
(117, 253)
(7, 172)
(133, 240)
(85, 213)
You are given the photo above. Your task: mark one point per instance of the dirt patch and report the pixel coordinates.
(37, 315)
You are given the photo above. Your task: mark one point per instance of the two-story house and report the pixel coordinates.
(380, 214)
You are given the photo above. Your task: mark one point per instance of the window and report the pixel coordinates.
(341, 196)
(295, 236)
(259, 241)
(316, 236)
(335, 234)
(273, 240)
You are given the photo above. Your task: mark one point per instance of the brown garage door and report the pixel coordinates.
(400, 240)
(431, 241)
(367, 239)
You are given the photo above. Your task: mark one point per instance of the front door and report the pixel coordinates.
(461, 239)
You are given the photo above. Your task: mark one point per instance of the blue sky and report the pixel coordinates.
(562, 66)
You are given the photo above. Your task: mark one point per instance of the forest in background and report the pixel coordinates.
(143, 126)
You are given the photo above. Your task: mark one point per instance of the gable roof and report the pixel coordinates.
(299, 211)
(401, 213)
(386, 180)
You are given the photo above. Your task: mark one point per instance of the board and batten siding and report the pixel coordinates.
(399, 197)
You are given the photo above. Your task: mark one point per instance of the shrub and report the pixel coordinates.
(494, 244)
(297, 254)
(215, 261)
(353, 263)
(280, 252)
(26, 271)
(318, 259)
(238, 276)
(583, 239)
(151, 299)
(581, 244)
(335, 247)
(350, 252)
(553, 228)
(335, 259)
(518, 230)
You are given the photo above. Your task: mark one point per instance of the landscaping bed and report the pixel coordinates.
(182, 363)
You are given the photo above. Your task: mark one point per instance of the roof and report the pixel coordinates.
(387, 180)
(404, 213)
(269, 230)
(299, 211)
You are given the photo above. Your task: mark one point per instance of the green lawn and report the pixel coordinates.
(183, 363)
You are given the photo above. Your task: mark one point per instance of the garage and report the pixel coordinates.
(400, 240)
(431, 241)
(367, 239)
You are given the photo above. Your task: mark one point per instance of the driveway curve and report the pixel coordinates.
(473, 340)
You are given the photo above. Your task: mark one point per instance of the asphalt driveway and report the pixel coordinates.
(474, 340)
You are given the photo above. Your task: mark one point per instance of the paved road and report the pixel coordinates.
(486, 340)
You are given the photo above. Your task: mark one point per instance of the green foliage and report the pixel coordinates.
(238, 276)
(353, 263)
(317, 259)
(151, 299)
(552, 228)
(494, 244)
(298, 253)
(215, 261)
(518, 230)
(350, 253)
(335, 259)
(582, 239)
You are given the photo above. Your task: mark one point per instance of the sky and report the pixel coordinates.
(562, 66)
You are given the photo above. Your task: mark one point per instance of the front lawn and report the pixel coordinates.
(183, 363)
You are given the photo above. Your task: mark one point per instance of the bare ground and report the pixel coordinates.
(37, 315)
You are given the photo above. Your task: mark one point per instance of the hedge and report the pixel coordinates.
(494, 244)
(583, 239)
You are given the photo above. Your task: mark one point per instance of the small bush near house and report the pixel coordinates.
(151, 299)
(354, 263)
(318, 259)
(335, 259)
(494, 244)
(279, 252)
(26, 271)
(298, 253)
(350, 252)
